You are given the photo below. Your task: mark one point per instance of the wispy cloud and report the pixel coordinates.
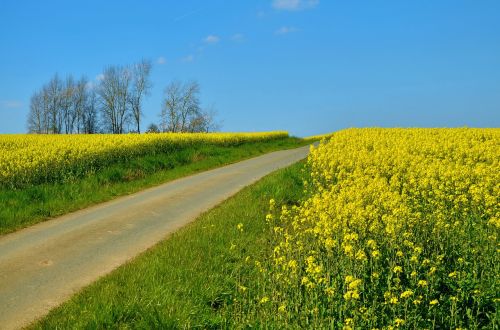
(237, 37)
(188, 58)
(161, 60)
(11, 104)
(294, 5)
(211, 39)
(285, 30)
(187, 14)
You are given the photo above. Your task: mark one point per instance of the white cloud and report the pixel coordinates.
(161, 60)
(285, 30)
(237, 37)
(11, 104)
(99, 77)
(187, 59)
(211, 39)
(187, 14)
(294, 5)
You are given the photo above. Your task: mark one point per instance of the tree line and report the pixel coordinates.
(114, 104)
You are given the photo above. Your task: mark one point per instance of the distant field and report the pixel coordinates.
(44, 176)
(32, 159)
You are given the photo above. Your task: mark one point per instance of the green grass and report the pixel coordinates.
(27, 206)
(189, 280)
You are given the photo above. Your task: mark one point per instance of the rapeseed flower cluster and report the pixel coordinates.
(32, 159)
(399, 228)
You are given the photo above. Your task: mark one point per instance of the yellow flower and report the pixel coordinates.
(264, 300)
(360, 255)
(349, 278)
(354, 294)
(373, 193)
(355, 284)
(348, 250)
(292, 264)
(329, 291)
(422, 283)
(434, 302)
(406, 294)
(397, 269)
(399, 322)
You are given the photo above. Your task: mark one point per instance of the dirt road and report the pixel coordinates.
(42, 266)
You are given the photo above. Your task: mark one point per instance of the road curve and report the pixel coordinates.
(43, 265)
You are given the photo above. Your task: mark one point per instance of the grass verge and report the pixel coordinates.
(189, 280)
(24, 207)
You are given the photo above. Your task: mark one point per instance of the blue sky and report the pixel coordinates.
(306, 66)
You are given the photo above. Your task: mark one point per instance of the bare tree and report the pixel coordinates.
(204, 121)
(113, 91)
(79, 100)
(66, 104)
(170, 115)
(53, 91)
(36, 116)
(45, 95)
(189, 108)
(181, 110)
(89, 117)
(58, 107)
(140, 88)
(115, 104)
(108, 94)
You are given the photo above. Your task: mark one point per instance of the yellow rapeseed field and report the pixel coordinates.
(31, 159)
(318, 137)
(399, 228)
